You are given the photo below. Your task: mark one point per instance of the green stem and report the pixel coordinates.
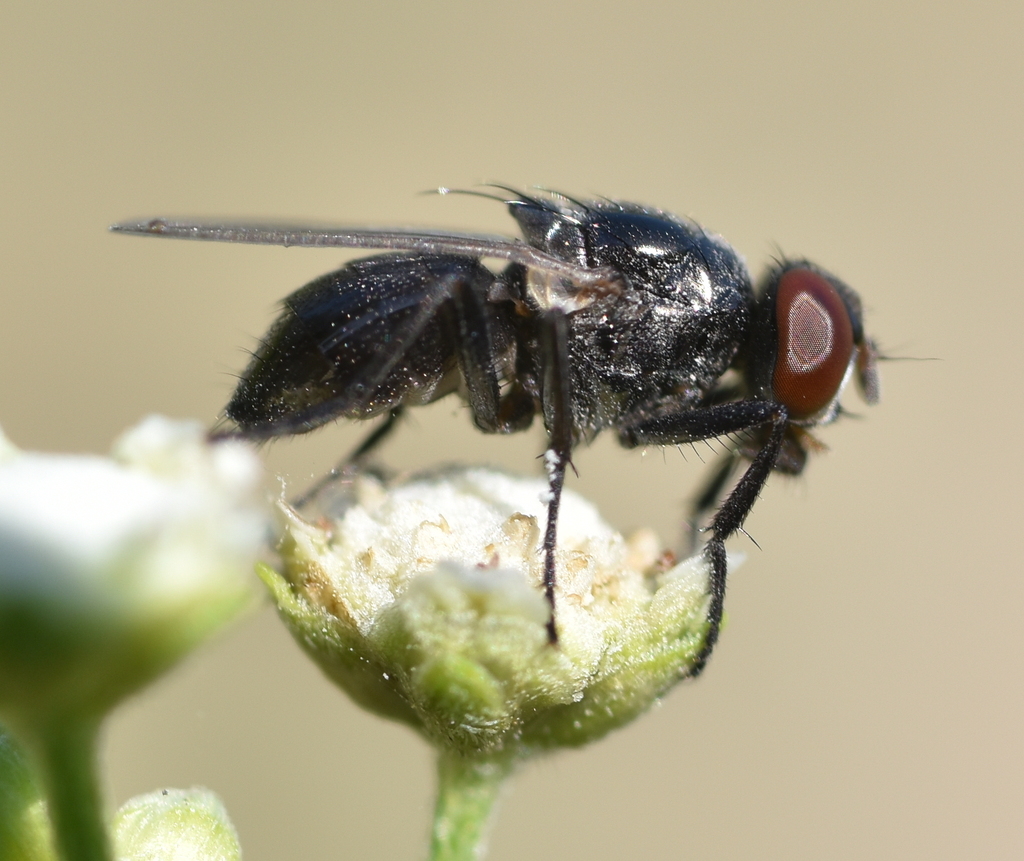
(466, 792)
(66, 750)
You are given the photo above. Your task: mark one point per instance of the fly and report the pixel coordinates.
(607, 315)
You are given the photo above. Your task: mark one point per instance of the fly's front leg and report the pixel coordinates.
(668, 424)
(709, 496)
(554, 342)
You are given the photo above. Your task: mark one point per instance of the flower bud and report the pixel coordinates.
(179, 824)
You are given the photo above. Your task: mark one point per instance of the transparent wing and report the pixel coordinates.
(601, 280)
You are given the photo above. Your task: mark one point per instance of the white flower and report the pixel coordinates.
(111, 568)
(424, 601)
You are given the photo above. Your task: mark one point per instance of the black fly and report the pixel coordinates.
(609, 315)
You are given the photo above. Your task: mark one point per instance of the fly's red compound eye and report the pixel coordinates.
(815, 342)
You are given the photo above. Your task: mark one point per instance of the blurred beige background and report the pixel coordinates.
(866, 699)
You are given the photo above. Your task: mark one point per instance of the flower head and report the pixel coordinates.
(424, 601)
(111, 568)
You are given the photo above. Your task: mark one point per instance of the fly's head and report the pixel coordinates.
(807, 342)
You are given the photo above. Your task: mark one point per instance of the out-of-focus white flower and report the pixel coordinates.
(175, 825)
(424, 600)
(112, 568)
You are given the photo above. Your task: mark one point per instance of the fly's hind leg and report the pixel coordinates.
(483, 334)
(350, 464)
(448, 300)
(455, 306)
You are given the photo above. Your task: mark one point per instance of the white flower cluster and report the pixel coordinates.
(425, 601)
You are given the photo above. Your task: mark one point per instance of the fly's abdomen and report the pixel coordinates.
(356, 342)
